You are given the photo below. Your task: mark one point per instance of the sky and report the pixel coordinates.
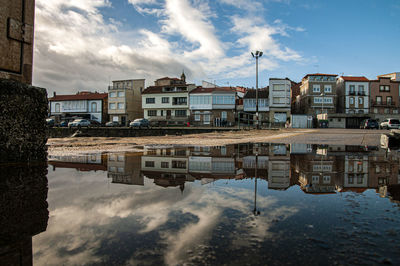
(85, 44)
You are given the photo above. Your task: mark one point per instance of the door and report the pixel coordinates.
(168, 114)
(16, 37)
(123, 120)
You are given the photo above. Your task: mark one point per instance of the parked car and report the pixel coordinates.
(140, 123)
(63, 124)
(50, 122)
(95, 123)
(369, 124)
(79, 123)
(112, 124)
(390, 123)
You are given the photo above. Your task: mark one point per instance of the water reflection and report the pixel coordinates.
(23, 208)
(236, 204)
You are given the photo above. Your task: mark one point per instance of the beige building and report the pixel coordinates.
(393, 76)
(125, 100)
(318, 94)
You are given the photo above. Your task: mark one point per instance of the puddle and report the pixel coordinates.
(236, 204)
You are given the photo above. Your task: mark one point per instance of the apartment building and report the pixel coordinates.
(318, 94)
(125, 101)
(215, 106)
(384, 97)
(167, 101)
(84, 104)
(249, 105)
(393, 76)
(279, 99)
(353, 95)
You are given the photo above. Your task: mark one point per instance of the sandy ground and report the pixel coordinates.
(73, 146)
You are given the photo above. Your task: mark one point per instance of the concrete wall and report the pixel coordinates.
(23, 130)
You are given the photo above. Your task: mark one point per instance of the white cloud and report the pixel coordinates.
(77, 48)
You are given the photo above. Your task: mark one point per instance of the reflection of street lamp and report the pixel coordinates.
(257, 55)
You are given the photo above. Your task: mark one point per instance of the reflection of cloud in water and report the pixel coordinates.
(76, 232)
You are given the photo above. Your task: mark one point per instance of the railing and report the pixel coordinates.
(382, 103)
(117, 88)
(361, 93)
(179, 103)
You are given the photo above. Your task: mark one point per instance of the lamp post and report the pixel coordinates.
(256, 56)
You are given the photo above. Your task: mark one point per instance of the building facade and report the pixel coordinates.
(318, 94)
(249, 105)
(167, 101)
(213, 106)
(125, 100)
(393, 76)
(88, 105)
(353, 95)
(279, 99)
(384, 97)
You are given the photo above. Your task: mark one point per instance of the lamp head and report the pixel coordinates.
(252, 54)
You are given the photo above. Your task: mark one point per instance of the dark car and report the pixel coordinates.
(140, 123)
(95, 123)
(369, 124)
(112, 124)
(63, 124)
(50, 122)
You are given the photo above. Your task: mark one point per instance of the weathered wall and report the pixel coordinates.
(23, 130)
(56, 132)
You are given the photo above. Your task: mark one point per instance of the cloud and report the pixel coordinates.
(77, 48)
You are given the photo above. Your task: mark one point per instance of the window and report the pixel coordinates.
(352, 89)
(150, 100)
(328, 100)
(351, 100)
(326, 179)
(149, 163)
(112, 106)
(164, 164)
(121, 94)
(375, 110)
(384, 88)
(361, 89)
(207, 119)
(151, 112)
(113, 94)
(121, 106)
(386, 111)
(57, 107)
(279, 87)
(378, 99)
(165, 100)
(179, 164)
(197, 116)
(328, 88)
(389, 100)
(360, 100)
(94, 107)
(180, 113)
(162, 112)
(316, 88)
(224, 115)
(317, 99)
(179, 100)
(315, 179)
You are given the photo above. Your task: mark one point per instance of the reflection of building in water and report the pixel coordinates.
(23, 208)
(355, 172)
(318, 171)
(90, 162)
(279, 167)
(124, 168)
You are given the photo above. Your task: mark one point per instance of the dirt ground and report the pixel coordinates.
(83, 145)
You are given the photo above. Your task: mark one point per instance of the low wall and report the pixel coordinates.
(23, 130)
(59, 132)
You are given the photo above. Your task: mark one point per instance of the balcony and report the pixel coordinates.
(117, 88)
(352, 93)
(361, 93)
(382, 103)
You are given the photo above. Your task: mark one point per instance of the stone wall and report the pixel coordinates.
(23, 130)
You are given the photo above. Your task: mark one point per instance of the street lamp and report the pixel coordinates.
(256, 56)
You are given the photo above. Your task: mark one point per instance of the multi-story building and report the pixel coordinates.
(88, 105)
(214, 106)
(384, 97)
(167, 101)
(125, 100)
(249, 105)
(353, 95)
(393, 76)
(318, 94)
(279, 99)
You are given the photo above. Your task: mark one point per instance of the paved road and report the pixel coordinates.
(333, 136)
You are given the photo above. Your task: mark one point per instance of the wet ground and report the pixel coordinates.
(242, 204)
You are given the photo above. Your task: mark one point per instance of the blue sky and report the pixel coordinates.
(83, 44)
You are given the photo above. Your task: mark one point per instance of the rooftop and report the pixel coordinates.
(84, 95)
(214, 89)
(349, 78)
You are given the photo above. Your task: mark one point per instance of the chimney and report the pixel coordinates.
(54, 94)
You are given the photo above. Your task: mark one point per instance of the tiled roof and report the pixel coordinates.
(212, 89)
(80, 96)
(262, 93)
(347, 78)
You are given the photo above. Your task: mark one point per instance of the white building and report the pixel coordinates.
(84, 104)
(353, 95)
(167, 101)
(279, 99)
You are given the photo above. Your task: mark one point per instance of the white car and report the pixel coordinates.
(390, 123)
(79, 123)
